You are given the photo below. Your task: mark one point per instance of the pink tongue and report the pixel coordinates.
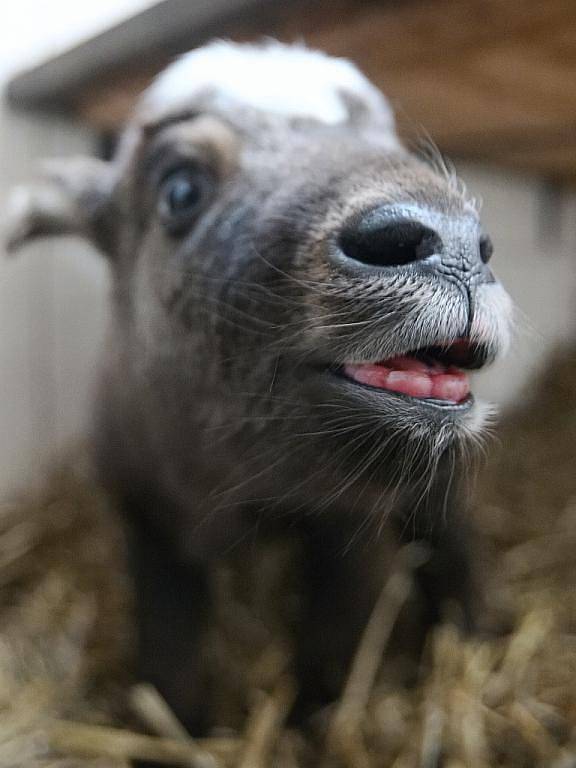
(413, 377)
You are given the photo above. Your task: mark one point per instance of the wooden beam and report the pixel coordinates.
(486, 79)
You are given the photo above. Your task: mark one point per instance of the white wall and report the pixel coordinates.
(533, 228)
(52, 299)
(33, 30)
(51, 315)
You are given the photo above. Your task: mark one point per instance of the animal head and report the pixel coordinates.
(292, 287)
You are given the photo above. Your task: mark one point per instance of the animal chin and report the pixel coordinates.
(437, 375)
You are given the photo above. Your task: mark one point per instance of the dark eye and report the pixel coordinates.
(486, 249)
(181, 197)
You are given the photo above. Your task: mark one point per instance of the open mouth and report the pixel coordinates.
(438, 374)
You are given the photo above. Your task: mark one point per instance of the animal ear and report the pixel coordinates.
(371, 112)
(69, 197)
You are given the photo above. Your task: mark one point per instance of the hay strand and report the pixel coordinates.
(93, 741)
(265, 724)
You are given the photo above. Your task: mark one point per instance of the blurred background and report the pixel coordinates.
(490, 82)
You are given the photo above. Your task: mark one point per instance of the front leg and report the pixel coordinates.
(342, 581)
(449, 580)
(172, 612)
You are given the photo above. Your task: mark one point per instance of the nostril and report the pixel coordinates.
(486, 249)
(386, 242)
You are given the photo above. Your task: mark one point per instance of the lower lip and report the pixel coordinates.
(414, 379)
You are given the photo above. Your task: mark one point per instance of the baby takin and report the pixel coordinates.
(297, 302)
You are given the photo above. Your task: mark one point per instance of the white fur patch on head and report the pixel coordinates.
(288, 80)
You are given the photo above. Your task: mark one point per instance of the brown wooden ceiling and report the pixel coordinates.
(486, 79)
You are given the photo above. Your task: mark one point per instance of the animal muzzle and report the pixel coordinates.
(459, 314)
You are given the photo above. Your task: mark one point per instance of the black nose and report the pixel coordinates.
(385, 238)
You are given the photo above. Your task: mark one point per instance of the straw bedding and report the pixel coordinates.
(68, 699)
